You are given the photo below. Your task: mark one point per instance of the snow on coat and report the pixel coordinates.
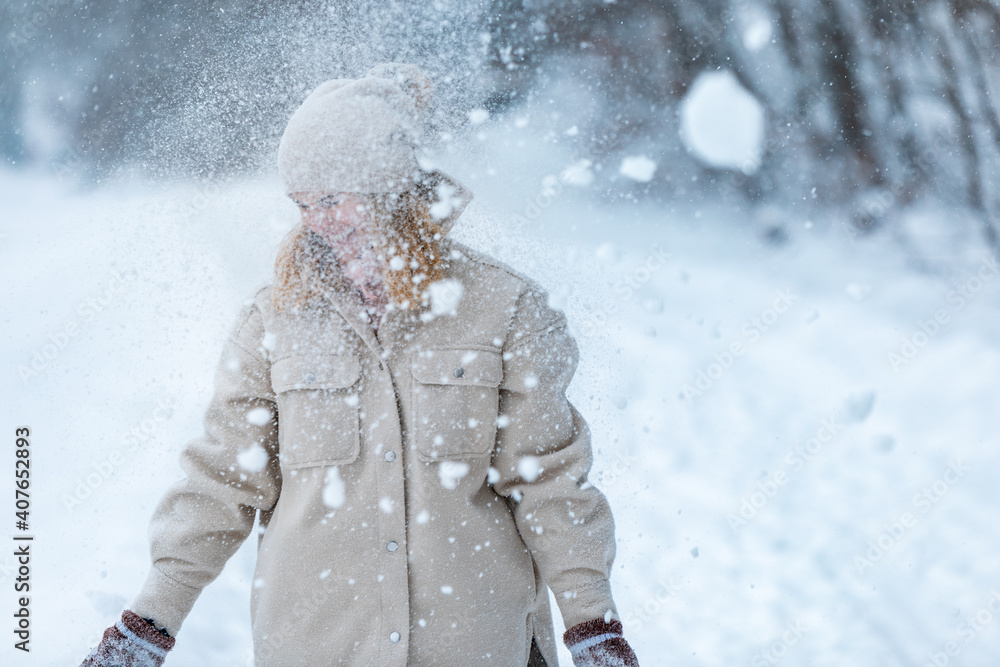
(417, 489)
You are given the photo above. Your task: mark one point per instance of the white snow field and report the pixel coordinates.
(802, 502)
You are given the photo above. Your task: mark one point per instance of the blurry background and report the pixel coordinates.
(862, 103)
(814, 181)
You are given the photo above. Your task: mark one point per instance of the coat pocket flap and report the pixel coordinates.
(322, 371)
(483, 368)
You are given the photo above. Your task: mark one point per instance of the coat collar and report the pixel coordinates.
(351, 306)
(455, 197)
(395, 321)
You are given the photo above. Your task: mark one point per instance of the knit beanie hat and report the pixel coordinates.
(362, 135)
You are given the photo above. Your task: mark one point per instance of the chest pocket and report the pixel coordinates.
(318, 423)
(455, 402)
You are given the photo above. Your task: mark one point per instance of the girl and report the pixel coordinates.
(393, 411)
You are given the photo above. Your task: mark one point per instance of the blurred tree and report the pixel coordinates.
(869, 103)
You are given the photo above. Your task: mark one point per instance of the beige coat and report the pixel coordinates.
(417, 490)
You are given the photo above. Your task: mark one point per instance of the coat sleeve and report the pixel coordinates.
(542, 459)
(203, 519)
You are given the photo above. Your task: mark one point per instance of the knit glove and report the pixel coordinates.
(599, 644)
(131, 642)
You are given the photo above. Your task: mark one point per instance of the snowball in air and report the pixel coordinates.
(259, 416)
(479, 116)
(445, 296)
(578, 173)
(606, 252)
(333, 488)
(757, 33)
(450, 472)
(638, 168)
(253, 458)
(722, 124)
(445, 203)
(529, 468)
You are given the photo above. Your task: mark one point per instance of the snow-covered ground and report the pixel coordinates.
(785, 491)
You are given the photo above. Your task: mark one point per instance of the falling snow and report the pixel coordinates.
(445, 296)
(529, 468)
(451, 472)
(334, 492)
(252, 459)
(259, 416)
(638, 167)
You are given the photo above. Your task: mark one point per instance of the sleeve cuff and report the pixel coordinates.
(166, 601)
(585, 603)
(582, 636)
(143, 635)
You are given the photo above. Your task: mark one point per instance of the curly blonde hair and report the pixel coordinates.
(306, 268)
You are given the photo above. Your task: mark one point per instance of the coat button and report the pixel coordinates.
(392, 546)
(459, 372)
(310, 377)
(394, 637)
(390, 456)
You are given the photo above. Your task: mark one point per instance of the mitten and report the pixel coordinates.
(598, 643)
(131, 642)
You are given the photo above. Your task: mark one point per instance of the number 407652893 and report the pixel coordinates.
(22, 477)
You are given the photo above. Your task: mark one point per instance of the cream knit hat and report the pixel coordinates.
(358, 135)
